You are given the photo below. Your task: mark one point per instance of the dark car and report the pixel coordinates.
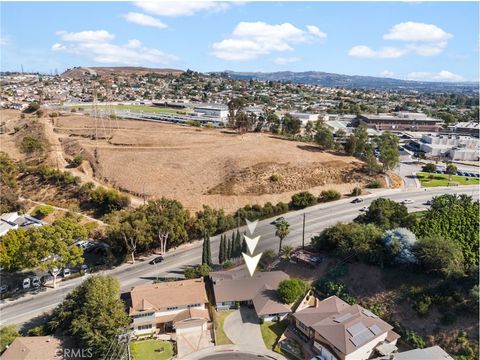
(157, 260)
(357, 200)
(277, 220)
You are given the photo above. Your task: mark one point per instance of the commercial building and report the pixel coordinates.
(178, 306)
(305, 117)
(400, 121)
(215, 111)
(453, 147)
(259, 291)
(466, 128)
(340, 331)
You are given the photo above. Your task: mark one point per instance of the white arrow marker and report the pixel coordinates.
(252, 262)
(251, 243)
(251, 226)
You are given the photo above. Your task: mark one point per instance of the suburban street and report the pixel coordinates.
(318, 217)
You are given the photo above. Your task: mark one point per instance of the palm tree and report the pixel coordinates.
(287, 251)
(282, 232)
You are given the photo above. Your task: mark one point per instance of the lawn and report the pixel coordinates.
(221, 337)
(432, 180)
(140, 108)
(271, 332)
(145, 350)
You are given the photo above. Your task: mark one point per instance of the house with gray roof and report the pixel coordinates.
(340, 331)
(259, 291)
(14, 220)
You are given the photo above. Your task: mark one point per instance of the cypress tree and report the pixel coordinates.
(244, 245)
(204, 251)
(208, 252)
(221, 250)
(238, 245)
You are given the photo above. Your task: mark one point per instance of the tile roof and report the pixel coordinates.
(167, 294)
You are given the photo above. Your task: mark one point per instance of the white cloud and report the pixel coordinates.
(250, 40)
(312, 29)
(411, 31)
(88, 35)
(362, 51)
(420, 39)
(286, 60)
(97, 46)
(144, 20)
(180, 8)
(387, 73)
(443, 75)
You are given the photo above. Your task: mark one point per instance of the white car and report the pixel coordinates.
(26, 283)
(408, 201)
(84, 268)
(66, 272)
(365, 208)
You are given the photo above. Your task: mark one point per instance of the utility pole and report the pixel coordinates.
(303, 233)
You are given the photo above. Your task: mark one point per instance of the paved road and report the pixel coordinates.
(317, 218)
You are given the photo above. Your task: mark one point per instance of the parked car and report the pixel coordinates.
(3, 289)
(408, 201)
(89, 246)
(46, 279)
(66, 272)
(156, 260)
(357, 200)
(277, 220)
(36, 281)
(26, 283)
(365, 208)
(428, 202)
(54, 271)
(84, 268)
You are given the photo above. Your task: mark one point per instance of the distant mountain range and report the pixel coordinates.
(352, 81)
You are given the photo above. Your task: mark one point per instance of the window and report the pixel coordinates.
(142, 315)
(193, 305)
(144, 327)
(172, 308)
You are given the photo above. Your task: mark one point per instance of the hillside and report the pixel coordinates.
(79, 72)
(352, 81)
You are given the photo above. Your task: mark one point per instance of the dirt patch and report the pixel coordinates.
(199, 166)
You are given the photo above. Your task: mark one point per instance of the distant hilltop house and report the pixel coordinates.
(13, 220)
(400, 121)
(260, 291)
(340, 331)
(177, 306)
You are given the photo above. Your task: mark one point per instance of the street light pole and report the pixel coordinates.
(303, 233)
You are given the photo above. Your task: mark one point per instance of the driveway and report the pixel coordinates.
(190, 342)
(242, 328)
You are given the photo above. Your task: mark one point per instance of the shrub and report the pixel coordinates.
(329, 195)
(329, 287)
(356, 191)
(228, 264)
(31, 145)
(274, 178)
(43, 210)
(302, 200)
(31, 108)
(109, 200)
(75, 162)
(375, 184)
(414, 339)
(291, 289)
(423, 305)
(73, 110)
(430, 168)
(39, 113)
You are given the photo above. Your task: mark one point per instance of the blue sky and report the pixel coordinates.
(425, 41)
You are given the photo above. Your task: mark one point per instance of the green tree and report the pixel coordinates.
(206, 253)
(357, 142)
(330, 195)
(282, 231)
(389, 148)
(438, 254)
(290, 124)
(430, 168)
(455, 218)
(372, 167)
(8, 333)
(451, 170)
(324, 138)
(43, 210)
(237, 245)
(287, 251)
(212, 221)
(221, 250)
(387, 214)
(291, 289)
(302, 200)
(93, 313)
